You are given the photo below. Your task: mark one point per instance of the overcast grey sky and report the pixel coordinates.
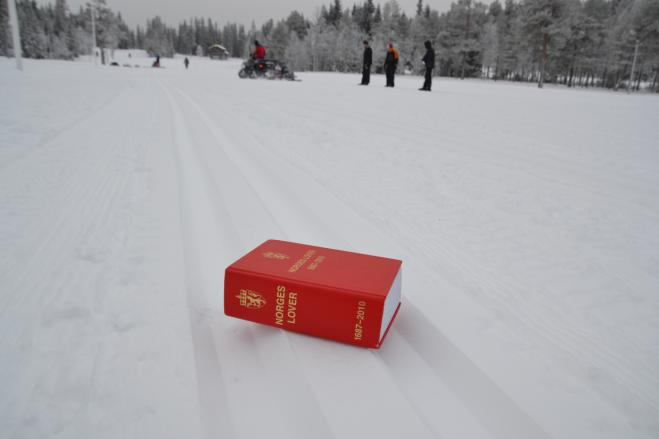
(136, 12)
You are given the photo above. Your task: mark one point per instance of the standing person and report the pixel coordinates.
(390, 64)
(368, 60)
(186, 61)
(429, 62)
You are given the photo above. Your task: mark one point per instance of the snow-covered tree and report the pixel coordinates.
(490, 47)
(32, 29)
(544, 22)
(4, 29)
(158, 40)
(575, 42)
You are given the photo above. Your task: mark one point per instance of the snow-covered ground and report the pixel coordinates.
(527, 220)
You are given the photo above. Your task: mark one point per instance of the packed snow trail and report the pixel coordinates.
(279, 199)
(284, 200)
(545, 321)
(82, 249)
(120, 215)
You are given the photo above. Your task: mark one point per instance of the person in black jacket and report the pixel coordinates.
(429, 62)
(390, 64)
(368, 60)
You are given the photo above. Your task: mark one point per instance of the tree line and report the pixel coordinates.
(53, 31)
(587, 43)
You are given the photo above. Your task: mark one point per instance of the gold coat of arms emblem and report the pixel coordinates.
(251, 299)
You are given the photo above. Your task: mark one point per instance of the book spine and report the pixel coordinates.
(344, 316)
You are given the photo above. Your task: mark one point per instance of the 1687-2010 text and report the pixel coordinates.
(361, 316)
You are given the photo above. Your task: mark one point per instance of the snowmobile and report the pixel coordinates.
(266, 68)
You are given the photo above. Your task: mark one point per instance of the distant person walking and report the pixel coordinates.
(366, 66)
(390, 64)
(429, 62)
(156, 63)
(186, 61)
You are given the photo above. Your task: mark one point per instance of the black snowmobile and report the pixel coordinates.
(266, 68)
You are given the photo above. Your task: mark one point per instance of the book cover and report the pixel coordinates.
(334, 294)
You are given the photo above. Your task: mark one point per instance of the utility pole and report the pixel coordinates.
(631, 76)
(15, 33)
(91, 9)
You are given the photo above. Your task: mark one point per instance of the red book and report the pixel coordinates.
(339, 295)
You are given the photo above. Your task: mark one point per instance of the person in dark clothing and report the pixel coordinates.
(429, 62)
(368, 60)
(186, 61)
(390, 64)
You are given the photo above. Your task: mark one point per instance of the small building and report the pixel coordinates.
(217, 51)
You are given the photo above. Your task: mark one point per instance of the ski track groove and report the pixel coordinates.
(517, 413)
(550, 325)
(211, 392)
(318, 427)
(215, 180)
(555, 329)
(141, 149)
(513, 160)
(219, 160)
(54, 135)
(514, 411)
(76, 197)
(286, 336)
(97, 203)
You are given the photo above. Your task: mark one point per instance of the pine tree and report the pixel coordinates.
(241, 44)
(61, 17)
(490, 47)
(335, 13)
(279, 39)
(298, 24)
(542, 22)
(646, 30)
(575, 42)
(33, 36)
(4, 29)
(157, 39)
(508, 44)
(377, 17)
(367, 17)
(467, 29)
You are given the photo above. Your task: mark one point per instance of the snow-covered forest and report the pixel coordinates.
(585, 43)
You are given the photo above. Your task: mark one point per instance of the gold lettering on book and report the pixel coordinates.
(251, 299)
(303, 260)
(275, 255)
(316, 262)
(359, 324)
(285, 310)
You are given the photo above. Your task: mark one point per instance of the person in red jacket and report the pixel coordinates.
(259, 51)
